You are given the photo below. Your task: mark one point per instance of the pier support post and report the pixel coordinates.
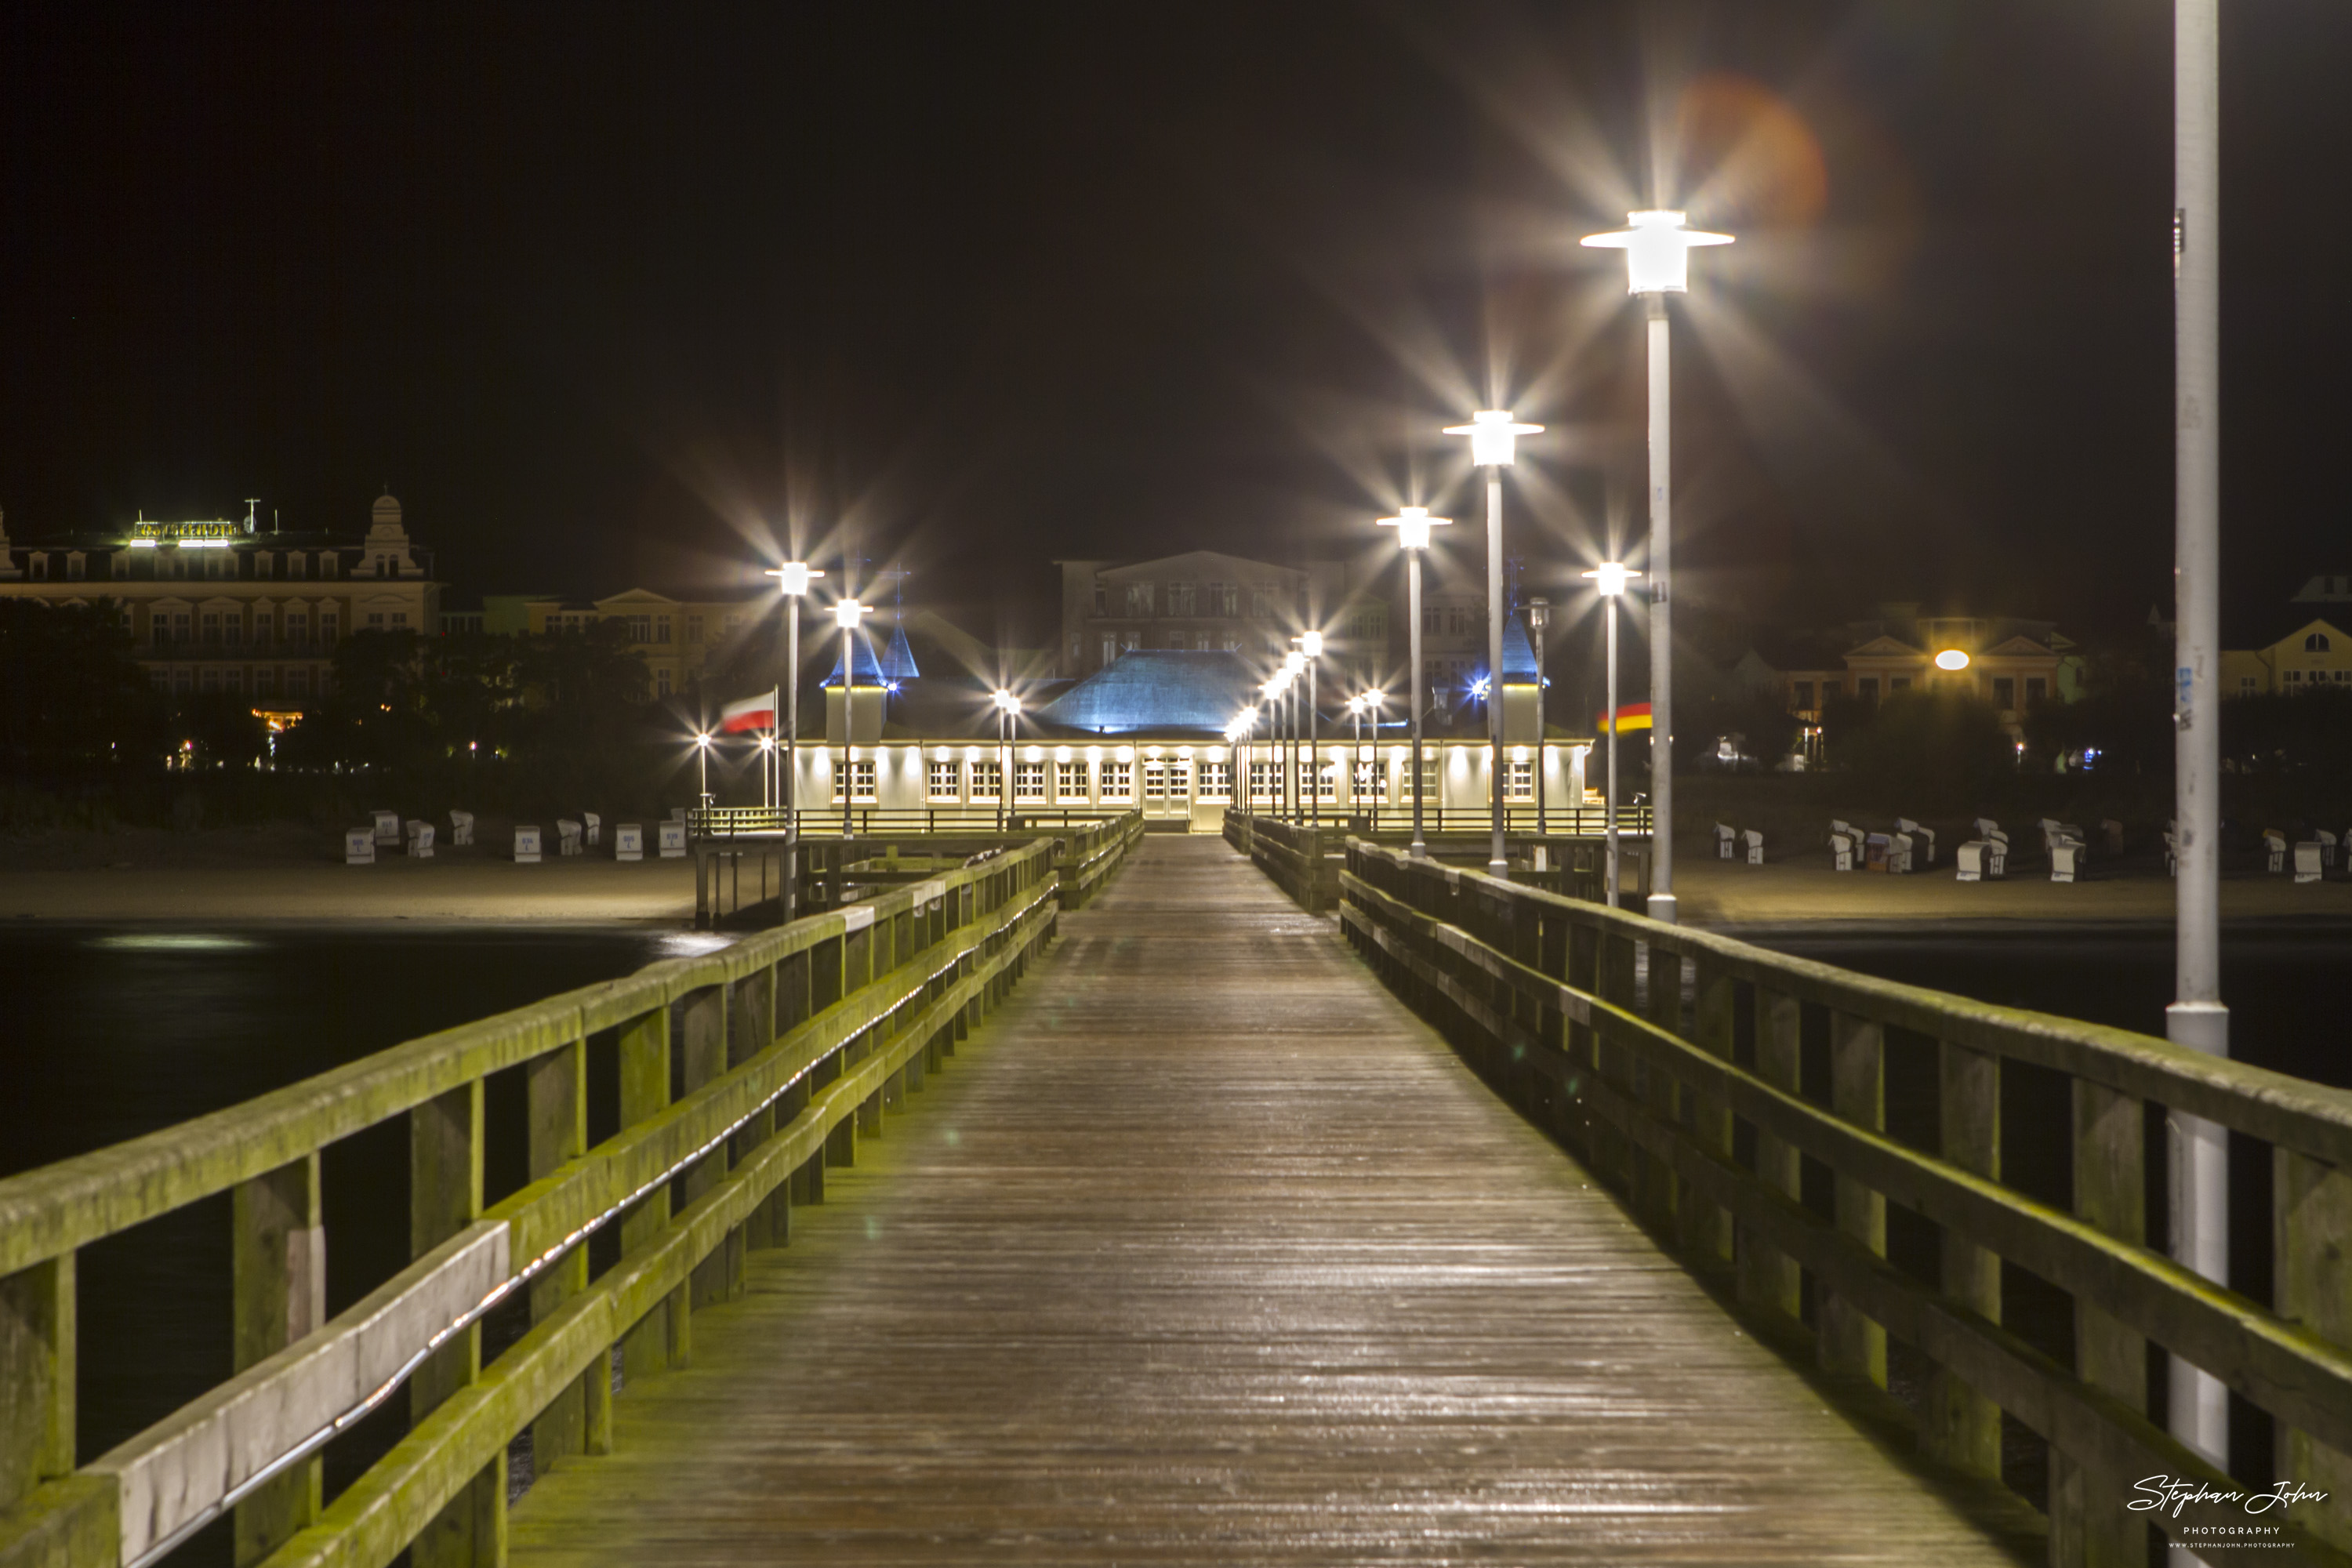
(557, 1088)
(2088, 1523)
(1963, 1427)
(645, 1052)
(445, 1195)
(279, 1286)
(1769, 1277)
(1851, 1342)
(2312, 1215)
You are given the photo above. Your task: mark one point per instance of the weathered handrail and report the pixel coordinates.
(789, 1043)
(1705, 1118)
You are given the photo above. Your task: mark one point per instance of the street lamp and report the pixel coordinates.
(1292, 663)
(1657, 246)
(1609, 582)
(1310, 647)
(846, 613)
(1538, 614)
(793, 580)
(1494, 446)
(1008, 710)
(702, 759)
(1412, 524)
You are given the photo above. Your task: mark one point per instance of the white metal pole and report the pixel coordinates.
(1413, 611)
(1662, 633)
(1497, 866)
(1609, 613)
(2199, 1172)
(1314, 763)
(848, 722)
(1541, 826)
(789, 791)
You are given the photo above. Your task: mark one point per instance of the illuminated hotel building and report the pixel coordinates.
(222, 607)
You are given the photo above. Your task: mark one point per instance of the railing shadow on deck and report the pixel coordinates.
(789, 1043)
(1708, 1106)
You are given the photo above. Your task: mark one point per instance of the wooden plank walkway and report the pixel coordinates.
(1206, 1250)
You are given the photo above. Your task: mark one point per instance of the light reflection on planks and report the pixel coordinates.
(1207, 1251)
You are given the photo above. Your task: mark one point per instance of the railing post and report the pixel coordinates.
(1706, 1229)
(1614, 1154)
(279, 1282)
(751, 1028)
(556, 1085)
(445, 1196)
(702, 1021)
(1962, 1427)
(2311, 1219)
(36, 1372)
(645, 1051)
(1851, 1342)
(1769, 1277)
(1659, 1089)
(2088, 1524)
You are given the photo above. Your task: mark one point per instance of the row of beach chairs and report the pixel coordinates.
(572, 836)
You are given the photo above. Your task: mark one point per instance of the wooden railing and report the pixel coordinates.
(790, 1044)
(868, 821)
(1306, 862)
(1707, 1080)
(1302, 861)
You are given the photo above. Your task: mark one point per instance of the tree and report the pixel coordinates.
(75, 700)
(1923, 750)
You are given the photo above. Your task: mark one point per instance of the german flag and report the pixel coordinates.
(1629, 716)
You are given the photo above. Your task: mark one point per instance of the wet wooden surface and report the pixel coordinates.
(1206, 1250)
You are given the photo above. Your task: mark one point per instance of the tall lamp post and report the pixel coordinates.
(1608, 581)
(1412, 524)
(2199, 1403)
(793, 580)
(1293, 663)
(1657, 246)
(1310, 648)
(1538, 613)
(703, 760)
(847, 615)
(1494, 446)
(1008, 712)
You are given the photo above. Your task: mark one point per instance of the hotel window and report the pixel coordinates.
(661, 628)
(184, 680)
(1216, 781)
(327, 628)
(661, 682)
(1139, 598)
(297, 564)
(212, 677)
(375, 620)
(160, 678)
(1200, 644)
(1110, 647)
(1224, 599)
(1866, 688)
(297, 683)
(2315, 643)
(1898, 683)
(261, 683)
(641, 628)
(235, 680)
(987, 780)
(261, 629)
(2004, 692)
(330, 563)
(298, 626)
(2294, 677)
(1102, 599)
(40, 564)
(1128, 642)
(76, 568)
(1028, 781)
(233, 629)
(693, 629)
(1180, 598)
(947, 780)
(1802, 696)
(2036, 689)
(2247, 686)
(1231, 645)
(400, 617)
(1522, 781)
(861, 780)
(1261, 779)
(1119, 781)
(212, 626)
(1070, 782)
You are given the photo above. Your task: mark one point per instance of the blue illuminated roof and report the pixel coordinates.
(1157, 688)
(898, 661)
(1519, 654)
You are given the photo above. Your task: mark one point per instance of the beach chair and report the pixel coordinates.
(672, 840)
(1973, 854)
(526, 846)
(1724, 836)
(2327, 842)
(1841, 851)
(628, 842)
(387, 827)
(2112, 831)
(1923, 839)
(2065, 858)
(2307, 860)
(359, 845)
(461, 828)
(1755, 844)
(595, 827)
(567, 837)
(420, 840)
(2274, 849)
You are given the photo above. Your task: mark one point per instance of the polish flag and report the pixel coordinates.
(751, 714)
(1629, 716)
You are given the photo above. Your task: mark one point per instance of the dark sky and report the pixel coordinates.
(601, 293)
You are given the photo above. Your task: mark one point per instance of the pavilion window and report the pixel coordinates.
(1119, 781)
(1070, 782)
(1216, 781)
(1029, 780)
(947, 780)
(987, 781)
(1521, 781)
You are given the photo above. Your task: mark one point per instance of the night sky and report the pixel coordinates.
(606, 294)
